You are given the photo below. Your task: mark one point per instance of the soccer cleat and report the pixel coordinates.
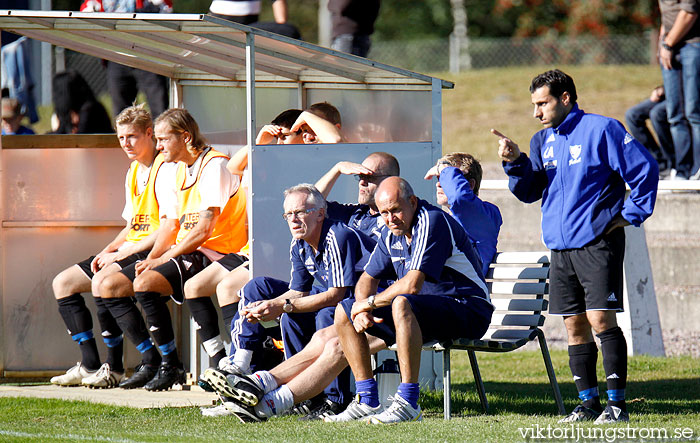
(103, 378)
(142, 375)
(246, 389)
(166, 377)
(354, 411)
(73, 377)
(580, 413)
(246, 414)
(612, 414)
(327, 408)
(399, 411)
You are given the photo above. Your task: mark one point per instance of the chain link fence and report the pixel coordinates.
(477, 53)
(434, 55)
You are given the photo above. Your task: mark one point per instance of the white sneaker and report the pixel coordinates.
(226, 364)
(103, 378)
(73, 377)
(216, 411)
(399, 411)
(354, 411)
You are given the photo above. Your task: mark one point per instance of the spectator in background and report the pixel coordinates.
(17, 76)
(12, 118)
(679, 55)
(246, 12)
(76, 108)
(124, 82)
(654, 109)
(353, 22)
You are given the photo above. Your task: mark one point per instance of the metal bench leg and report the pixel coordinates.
(477, 379)
(446, 386)
(550, 372)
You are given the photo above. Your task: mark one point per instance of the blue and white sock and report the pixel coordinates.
(275, 402)
(409, 392)
(368, 392)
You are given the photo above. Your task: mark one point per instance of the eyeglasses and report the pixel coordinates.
(369, 178)
(291, 215)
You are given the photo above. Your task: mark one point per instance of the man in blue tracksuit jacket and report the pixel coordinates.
(459, 179)
(578, 166)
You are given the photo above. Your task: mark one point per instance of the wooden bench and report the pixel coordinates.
(518, 282)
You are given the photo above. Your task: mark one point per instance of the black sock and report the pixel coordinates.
(129, 319)
(78, 320)
(91, 357)
(582, 361)
(614, 348)
(228, 312)
(111, 335)
(160, 324)
(204, 314)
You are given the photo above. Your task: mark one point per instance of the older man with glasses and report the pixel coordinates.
(327, 251)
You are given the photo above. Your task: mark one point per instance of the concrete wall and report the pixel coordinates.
(673, 238)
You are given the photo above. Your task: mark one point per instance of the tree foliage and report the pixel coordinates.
(577, 17)
(407, 20)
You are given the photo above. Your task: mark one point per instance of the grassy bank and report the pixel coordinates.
(499, 98)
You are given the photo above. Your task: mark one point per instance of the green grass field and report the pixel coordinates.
(663, 395)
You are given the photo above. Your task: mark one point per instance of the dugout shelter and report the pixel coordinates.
(62, 195)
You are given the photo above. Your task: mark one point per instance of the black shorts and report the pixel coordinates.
(588, 278)
(85, 264)
(232, 261)
(177, 271)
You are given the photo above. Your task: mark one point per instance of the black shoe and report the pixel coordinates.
(166, 377)
(143, 374)
(246, 389)
(326, 409)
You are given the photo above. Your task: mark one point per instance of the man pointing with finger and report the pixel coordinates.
(578, 166)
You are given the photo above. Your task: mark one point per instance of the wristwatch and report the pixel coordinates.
(370, 302)
(288, 306)
(666, 46)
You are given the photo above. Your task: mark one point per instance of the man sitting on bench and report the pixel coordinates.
(439, 294)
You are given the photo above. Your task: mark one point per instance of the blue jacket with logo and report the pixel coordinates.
(579, 170)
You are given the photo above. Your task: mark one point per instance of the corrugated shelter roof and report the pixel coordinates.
(201, 47)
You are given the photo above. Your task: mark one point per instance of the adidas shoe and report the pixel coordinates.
(399, 411)
(580, 413)
(327, 408)
(103, 378)
(142, 375)
(243, 388)
(305, 407)
(73, 377)
(246, 414)
(166, 377)
(612, 414)
(354, 411)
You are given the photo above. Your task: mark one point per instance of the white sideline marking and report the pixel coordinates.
(63, 436)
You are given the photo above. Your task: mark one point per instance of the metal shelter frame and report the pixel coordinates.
(202, 51)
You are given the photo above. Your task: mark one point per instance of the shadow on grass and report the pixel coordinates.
(663, 396)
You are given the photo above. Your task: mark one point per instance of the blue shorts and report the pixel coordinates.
(440, 317)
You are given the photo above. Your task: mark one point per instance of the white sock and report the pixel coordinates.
(275, 402)
(242, 359)
(267, 381)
